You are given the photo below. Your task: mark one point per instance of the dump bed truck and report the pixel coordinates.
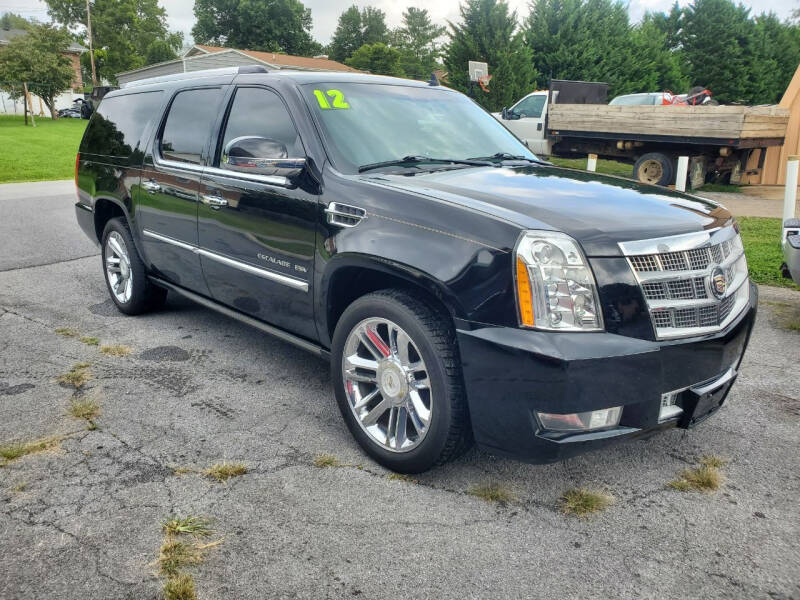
(571, 118)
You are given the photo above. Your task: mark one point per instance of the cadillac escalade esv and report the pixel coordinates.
(462, 288)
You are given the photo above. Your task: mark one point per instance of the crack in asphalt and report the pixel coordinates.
(48, 264)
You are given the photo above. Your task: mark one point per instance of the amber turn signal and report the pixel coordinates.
(524, 294)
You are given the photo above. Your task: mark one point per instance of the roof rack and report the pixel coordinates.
(242, 70)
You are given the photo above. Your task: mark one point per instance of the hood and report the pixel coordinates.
(598, 210)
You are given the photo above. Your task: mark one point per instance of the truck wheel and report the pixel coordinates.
(125, 273)
(398, 381)
(654, 168)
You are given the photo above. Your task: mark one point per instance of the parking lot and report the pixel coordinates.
(82, 517)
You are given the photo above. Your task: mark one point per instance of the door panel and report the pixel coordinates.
(530, 125)
(167, 195)
(257, 237)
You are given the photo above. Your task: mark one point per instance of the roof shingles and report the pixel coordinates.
(285, 60)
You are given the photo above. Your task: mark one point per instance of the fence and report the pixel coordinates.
(11, 101)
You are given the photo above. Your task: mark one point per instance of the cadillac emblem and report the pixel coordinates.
(719, 283)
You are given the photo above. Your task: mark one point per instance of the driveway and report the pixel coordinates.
(82, 517)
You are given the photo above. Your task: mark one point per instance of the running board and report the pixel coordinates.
(246, 319)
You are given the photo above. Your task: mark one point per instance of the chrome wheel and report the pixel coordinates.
(118, 267)
(387, 385)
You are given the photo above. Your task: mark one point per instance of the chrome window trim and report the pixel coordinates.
(236, 264)
(177, 164)
(738, 289)
(267, 179)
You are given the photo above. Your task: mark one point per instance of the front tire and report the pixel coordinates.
(125, 274)
(398, 381)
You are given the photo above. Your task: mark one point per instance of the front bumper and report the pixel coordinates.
(510, 374)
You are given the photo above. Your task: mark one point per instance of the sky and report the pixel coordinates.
(326, 12)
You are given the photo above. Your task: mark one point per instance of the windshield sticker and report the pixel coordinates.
(336, 95)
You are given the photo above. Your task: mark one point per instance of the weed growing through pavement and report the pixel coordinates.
(326, 460)
(178, 553)
(196, 526)
(78, 376)
(492, 492)
(15, 450)
(402, 477)
(117, 350)
(67, 331)
(225, 470)
(180, 587)
(90, 341)
(582, 502)
(84, 408)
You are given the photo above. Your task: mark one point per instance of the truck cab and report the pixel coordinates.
(527, 119)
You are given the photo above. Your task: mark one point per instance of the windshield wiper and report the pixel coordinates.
(509, 156)
(414, 161)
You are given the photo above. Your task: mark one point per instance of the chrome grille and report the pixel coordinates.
(676, 275)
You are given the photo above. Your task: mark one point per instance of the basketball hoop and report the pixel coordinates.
(483, 81)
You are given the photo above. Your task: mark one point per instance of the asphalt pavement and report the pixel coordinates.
(82, 519)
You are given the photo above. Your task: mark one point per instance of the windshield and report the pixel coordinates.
(365, 123)
(634, 99)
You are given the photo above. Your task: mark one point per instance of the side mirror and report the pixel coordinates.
(260, 156)
(504, 113)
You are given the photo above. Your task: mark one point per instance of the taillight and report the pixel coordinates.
(77, 160)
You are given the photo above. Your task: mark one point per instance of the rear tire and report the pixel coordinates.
(654, 168)
(422, 418)
(125, 273)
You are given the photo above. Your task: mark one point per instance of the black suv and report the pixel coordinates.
(461, 287)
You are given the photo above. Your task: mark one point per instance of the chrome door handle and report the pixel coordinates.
(215, 202)
(151, 186)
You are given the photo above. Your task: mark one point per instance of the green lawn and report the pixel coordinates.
(607, 167)
(762, 246)
(39, 153)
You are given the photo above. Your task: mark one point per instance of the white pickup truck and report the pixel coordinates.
(572, 118)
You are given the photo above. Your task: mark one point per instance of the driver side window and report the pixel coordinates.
(260, 113)
(530, 107)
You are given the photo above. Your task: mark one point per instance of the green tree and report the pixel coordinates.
(10, 20)
(651, 65)
(718, 39)
(669, 24)
(269, 25)
(777, 54)
(586, 40)
(488, 32)
(357, 27)
(38, 59)
(417, 39)
(127, 34)
(377, 58)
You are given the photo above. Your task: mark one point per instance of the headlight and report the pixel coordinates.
(555, 286)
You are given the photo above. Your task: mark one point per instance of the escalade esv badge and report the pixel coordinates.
(463, 289)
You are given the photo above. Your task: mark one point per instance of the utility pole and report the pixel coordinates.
(91, 47)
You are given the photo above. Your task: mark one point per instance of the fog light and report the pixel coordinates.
(584, 421)
(669, 407)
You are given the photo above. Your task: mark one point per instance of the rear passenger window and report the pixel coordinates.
(188, 124)
(261, 113)
(117, 127)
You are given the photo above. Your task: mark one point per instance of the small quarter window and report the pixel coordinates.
(189, 122)
(117, 127)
